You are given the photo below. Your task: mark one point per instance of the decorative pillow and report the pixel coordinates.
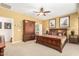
(60, 34)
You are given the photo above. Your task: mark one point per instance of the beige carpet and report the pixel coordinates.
(30, 48)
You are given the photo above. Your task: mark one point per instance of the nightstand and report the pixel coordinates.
(73, 39)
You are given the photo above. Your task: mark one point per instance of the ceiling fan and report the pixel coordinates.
(42, 12)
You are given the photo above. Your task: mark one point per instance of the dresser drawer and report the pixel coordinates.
(1, 51)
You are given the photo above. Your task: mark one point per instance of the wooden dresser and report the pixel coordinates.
(28, 30)
(2, 49)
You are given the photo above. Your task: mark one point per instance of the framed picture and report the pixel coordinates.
(7, 25)
(64, 22)
(52, 23)
(0, 25)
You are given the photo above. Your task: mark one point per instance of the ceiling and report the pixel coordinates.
(57, 9)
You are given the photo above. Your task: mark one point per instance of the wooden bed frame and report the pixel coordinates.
(54, 43)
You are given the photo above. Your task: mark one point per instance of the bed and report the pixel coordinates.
(53, 41)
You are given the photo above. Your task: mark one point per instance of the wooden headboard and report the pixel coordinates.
(57, 31)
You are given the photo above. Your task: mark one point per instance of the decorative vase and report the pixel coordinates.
(72, 32)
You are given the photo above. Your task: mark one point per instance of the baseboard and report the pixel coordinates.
(16, 41)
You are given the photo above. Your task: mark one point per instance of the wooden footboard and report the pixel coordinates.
(54, 43)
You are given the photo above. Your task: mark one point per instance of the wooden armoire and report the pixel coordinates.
(28, 30)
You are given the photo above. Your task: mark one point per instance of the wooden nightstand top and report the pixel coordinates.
(2, 45)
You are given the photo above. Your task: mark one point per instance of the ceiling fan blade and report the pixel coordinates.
(35, 11)
(41, 10)
(44, 14)
(47, 12)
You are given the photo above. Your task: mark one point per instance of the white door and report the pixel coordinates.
(6, 29)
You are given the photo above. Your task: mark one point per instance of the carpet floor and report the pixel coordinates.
(31, 48)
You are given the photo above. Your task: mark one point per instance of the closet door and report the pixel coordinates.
(28, 30)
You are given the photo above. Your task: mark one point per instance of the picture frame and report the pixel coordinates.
(7, 25)
(52, 23)
(0, 25)
(64, 22)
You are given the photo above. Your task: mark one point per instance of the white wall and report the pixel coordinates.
(7, 33)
